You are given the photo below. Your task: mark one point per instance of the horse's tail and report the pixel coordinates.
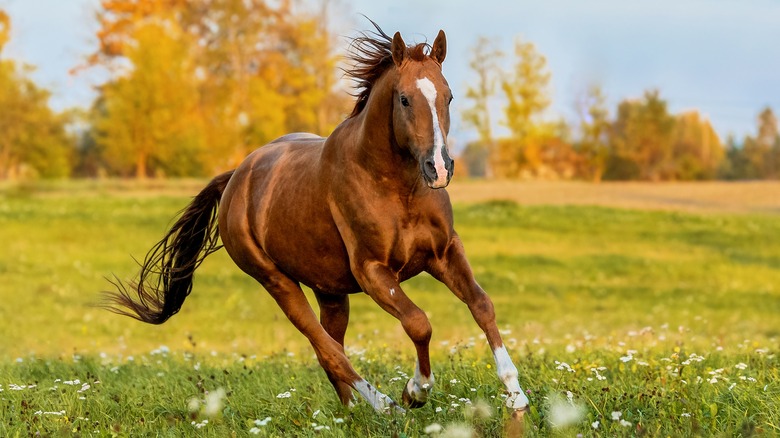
(165, 279)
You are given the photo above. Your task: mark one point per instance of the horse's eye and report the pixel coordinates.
(404, 101)
(450, 101)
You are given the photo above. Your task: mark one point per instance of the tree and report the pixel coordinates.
(641, 140)
(484, 63)
(33, 141)
(593, 146)
(768, 141)
(149, 124)
(5, 29)
(249, 71)
(697, 151)
(525, 89)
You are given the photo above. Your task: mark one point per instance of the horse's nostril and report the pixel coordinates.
(430, 168)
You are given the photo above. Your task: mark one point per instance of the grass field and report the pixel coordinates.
(627, 321)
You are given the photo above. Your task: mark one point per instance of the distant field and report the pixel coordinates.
(716, 196)
(672, 301)
(733, 197)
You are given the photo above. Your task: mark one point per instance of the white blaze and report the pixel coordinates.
(429, 91)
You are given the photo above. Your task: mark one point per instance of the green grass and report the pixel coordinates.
(676, 312)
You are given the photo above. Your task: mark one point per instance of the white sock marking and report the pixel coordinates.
(419, 386)
(378, 401)
(507, 372)
(429, 91)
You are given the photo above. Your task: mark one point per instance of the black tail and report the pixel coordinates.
(165, 279)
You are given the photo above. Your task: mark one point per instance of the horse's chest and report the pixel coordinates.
(414, 246)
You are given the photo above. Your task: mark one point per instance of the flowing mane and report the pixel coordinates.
(371, 55)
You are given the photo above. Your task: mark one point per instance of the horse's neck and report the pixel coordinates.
(375, 148)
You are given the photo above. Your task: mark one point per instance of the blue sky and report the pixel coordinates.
(720, 56)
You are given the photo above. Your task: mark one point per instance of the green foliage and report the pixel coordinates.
(659, 304)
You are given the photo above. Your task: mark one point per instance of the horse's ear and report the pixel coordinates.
(439, 50)
(398, 48)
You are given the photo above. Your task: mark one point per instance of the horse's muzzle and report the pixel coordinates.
(437, 175)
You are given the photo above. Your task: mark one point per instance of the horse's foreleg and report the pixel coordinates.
(334, 317)
(454, 271)
(378, 282)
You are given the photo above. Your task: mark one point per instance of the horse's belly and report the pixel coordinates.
(314, 260)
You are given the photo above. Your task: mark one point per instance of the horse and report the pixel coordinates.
(359, 211)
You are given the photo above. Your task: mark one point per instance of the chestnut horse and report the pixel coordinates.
(360, 211)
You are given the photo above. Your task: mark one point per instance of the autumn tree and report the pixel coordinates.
(527, 97)
(760, 155)
(641, 140)
(484, 63)
(33, 140)
(697, 151)
(149, 120)
(593, 145)
(254, 69)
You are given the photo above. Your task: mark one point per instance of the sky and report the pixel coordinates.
(721, 57)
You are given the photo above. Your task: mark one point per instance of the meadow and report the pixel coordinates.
(657, 321)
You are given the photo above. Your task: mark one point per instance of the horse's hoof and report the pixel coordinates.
(518, 414)
(409, 401)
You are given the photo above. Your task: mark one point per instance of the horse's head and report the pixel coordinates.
(421, 108)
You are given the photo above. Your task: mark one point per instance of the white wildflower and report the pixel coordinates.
(480, 410)
(214, 402)
(625, 423)
(263, 422)
(285, 394)
(595, 424)
(458, 431)
(434, 428)
(563, 413)
(193, 405)
(616, 415)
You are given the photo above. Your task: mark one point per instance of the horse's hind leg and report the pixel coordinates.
(334, 317)
(293, 302)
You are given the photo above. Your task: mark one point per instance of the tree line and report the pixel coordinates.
(640, 140)
(195, 85)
